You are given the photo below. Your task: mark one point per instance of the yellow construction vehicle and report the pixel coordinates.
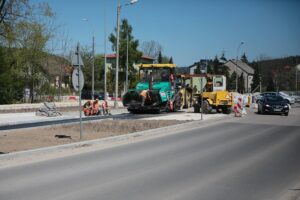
(212, 89)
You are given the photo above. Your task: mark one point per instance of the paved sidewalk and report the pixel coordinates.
(61, 106)
(30, 117)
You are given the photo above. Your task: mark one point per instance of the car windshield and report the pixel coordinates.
(274, 98)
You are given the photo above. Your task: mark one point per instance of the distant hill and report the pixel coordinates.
(280, 70)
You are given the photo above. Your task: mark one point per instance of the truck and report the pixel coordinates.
(158, 81)
(207, 89)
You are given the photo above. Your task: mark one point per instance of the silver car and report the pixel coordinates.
(289, 99)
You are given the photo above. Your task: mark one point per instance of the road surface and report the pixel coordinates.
(253, 158)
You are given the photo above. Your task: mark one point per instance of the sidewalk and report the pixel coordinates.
(61, 106)
(30, 117)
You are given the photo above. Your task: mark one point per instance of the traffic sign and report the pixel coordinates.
(75, 59)
(77, 76)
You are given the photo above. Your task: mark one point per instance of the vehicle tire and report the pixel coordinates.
(286, 114)
(206, 107)
(196, 108)
(226, 110)
(258, 109)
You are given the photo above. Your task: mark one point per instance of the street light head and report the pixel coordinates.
(133, 1)
(84, 19)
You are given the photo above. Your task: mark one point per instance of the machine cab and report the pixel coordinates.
(219, 83)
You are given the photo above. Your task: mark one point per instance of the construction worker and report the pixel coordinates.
(87, 108)
(105, 107)
(144, 95)
(95, 107)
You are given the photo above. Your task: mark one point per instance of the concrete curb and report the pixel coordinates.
(163, 131)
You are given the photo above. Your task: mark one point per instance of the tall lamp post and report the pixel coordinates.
(117, 53)
(126, 83)
(237, 57)
(93, 60)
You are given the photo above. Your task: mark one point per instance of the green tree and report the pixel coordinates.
(24, 34)
(87, 57)
(241, 84)
(216, 65)
(160, 58)
(244, 58)
(271, 86)
(133, 53)
(231, 83)
(256, 77)
(171, 60)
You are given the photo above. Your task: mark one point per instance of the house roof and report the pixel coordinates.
(240, 64)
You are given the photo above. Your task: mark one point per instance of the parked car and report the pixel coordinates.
(273, 104)
(88, 95)
(289, 99)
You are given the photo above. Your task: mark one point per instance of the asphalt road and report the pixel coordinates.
(255, 157)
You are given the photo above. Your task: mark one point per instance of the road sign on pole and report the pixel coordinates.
(78, 80)
(76, 76)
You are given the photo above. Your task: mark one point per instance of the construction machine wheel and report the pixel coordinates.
(226, 110)
(206, 107)
(196, 108)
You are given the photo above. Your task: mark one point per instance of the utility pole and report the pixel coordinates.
(105, 77)
(126, 83)
(117, 55)
(93, 68)
(237, 57)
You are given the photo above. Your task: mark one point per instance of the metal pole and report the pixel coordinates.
(127, 64)
(237, 57)
(79, 88)
(117, 55)
(201, 90)
(296, 80)
(105, 77)
(260, 89)
(93, 68)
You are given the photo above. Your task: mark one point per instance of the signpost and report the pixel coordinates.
(78, 79)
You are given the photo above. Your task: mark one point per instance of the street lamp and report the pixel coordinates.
(126, 83)
(93, 60)
(237, 57)
(117, 53)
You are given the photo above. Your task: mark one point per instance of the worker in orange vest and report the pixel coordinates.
(95, 107)
(87, 108)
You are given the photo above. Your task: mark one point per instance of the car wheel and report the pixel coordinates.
(258, 109)
(286, 114)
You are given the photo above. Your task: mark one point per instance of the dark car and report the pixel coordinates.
(273, 104)
(88, 95)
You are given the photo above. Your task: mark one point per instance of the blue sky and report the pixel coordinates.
(190, 30)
